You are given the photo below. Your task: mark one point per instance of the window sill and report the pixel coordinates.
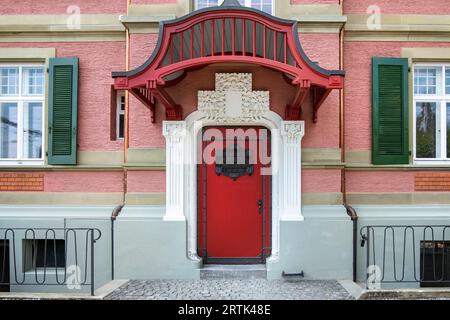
(433, 162)
(412, 167)
(12, 163)
(50, 271)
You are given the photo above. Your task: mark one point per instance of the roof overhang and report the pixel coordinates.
(228, 33)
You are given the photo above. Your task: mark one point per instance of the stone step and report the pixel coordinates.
(219, 271)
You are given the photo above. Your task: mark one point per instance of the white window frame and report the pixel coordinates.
(441, 116)
(119, 112)
(247, 3)
(21, 99)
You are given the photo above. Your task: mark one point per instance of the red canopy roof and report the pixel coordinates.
(228, 33)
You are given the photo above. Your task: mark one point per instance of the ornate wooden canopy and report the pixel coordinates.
(228, 33)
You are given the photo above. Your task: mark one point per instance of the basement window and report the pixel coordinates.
(41, 253)
(435, 263)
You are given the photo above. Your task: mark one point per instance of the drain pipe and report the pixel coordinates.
(114, 215)
(354, 217)
(351, 212)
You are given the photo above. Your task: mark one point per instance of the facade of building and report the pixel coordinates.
(119, 118)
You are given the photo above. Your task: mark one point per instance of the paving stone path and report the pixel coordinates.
(226, 289)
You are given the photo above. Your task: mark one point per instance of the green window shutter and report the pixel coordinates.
(62, 113)
(390, 142)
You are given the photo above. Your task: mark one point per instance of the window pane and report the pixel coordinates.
(447, 81)
(263, 5)
(8, 130)
(9, 81)
(121, 126)
(267, 8)
(33, 80)
(426, 130)
(206, 3)
(32, 130)
(448, 130)
(428, 80)
(122, 103)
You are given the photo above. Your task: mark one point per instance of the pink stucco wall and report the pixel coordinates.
(358, 88)
(321, 180)
(399, 7)
(14, 7)
(97, 60)
(315, 1)
(146, 181)
(313, 180)
(152, 1)
(83, 181)
(380, 181)
(143, 133)
(322, 48)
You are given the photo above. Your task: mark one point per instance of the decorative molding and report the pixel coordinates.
(398, 198)
(399, 27)
(293, 131)
(233, 100)
(61, 198)
(100, 23)
(174, 130)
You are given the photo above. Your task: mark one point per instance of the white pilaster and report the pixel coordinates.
(174, 132)
(292, 133)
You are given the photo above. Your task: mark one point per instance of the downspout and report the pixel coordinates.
(114, 215)
(116, 211)
(126, 142)
(351, 212)
(127, 95)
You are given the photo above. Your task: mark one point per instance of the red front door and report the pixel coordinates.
(234, 195)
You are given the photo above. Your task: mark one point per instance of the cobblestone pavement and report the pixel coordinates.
(255, 289)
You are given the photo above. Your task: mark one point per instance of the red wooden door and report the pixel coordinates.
(234, 197)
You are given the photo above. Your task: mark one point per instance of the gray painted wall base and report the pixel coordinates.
(147, 247)
(321, 245)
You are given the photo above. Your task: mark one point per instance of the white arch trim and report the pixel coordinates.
(219, 108)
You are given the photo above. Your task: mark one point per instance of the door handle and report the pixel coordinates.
(259, 206)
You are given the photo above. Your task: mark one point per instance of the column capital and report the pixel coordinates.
(174, 129)
(293, 131)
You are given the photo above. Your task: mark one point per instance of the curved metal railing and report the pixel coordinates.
(76, 270)
(407, 253)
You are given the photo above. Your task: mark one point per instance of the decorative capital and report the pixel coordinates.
(174, 129)
(293, 130)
